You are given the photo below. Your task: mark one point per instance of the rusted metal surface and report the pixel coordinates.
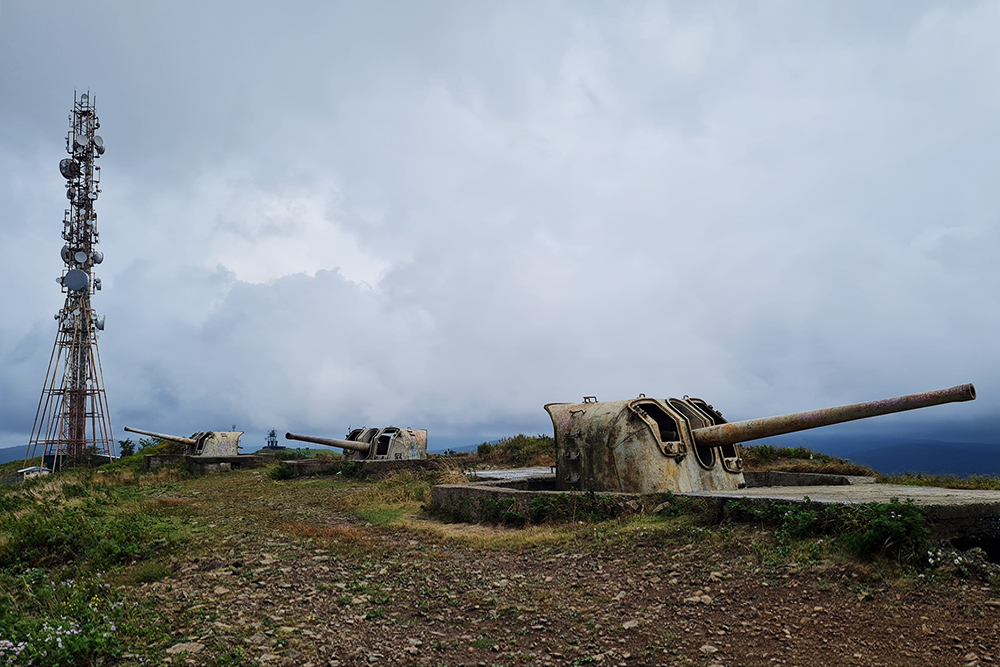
(643, 445)
(650, 445)
(375, 444)
(331, 442)
(205, 443)
(766, 427)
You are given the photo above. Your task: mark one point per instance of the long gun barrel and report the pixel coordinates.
(162, 436)
(331, 442)
(766, 427)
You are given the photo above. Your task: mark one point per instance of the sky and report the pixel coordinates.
(318, 215)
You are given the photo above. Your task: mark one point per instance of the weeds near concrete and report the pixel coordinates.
(946, 481)
(519, 450)
(894, 530)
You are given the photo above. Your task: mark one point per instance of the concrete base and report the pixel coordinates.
(954, 513)
(202, 465)
(331, 466)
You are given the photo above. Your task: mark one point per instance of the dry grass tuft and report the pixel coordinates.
(342, 533)
(496, 538)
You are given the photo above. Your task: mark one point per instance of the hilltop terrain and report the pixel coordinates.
(243, 569)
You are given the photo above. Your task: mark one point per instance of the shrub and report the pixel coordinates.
(519, 450)
(894, 529)
(281, 471)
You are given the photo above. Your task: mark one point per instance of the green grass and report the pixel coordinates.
(519, 450)
(799, 459)
(63, 539)
(986, 482)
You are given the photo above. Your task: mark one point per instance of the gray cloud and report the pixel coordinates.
(447, 215)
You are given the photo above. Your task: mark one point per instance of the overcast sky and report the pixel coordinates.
(320, 215)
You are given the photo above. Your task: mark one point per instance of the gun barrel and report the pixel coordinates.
(162, 436)
(766, 427)
(330, 442)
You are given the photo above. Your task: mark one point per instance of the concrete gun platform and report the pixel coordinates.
(954, 513)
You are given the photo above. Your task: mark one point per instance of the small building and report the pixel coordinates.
(33, 471)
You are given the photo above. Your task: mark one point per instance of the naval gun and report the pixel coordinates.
(205, 443)
(650, 445)
(375, 444)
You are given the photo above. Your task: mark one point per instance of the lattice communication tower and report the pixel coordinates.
(72, 425)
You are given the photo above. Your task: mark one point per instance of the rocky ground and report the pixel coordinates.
(283, 575)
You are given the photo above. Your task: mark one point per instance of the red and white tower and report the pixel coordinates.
(72, 425)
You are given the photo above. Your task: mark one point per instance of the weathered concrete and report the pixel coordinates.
(776, 478)
(953, 512)
(202, 465)
(331, 466)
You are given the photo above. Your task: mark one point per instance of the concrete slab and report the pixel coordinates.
(513, 473)
(861, 493)
(952, 512)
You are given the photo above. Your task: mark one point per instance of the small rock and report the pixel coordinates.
(220, 590)
(708, 649)
(190, 647)
(628, 625)
(268, 657)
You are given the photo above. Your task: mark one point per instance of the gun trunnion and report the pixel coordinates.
(650, 445)
(205, 443)
(375, 444)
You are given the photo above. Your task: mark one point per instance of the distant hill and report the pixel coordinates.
(892, 455)
(9, 454)
(932, 456)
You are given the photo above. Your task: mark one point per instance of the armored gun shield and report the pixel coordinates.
(649, 445)
(643, 445)
(205, 443)
(375, 444)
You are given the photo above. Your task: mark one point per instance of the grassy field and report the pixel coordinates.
(116, 566)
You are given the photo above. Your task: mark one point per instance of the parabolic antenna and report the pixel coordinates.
(99, 142)
(69, 168)
(66, 254)
(98, 257)
(84, 98)
(80, 256)
(81, 140)
(76, 280)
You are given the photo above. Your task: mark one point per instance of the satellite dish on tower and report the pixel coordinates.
(69, 168)
(76, 280)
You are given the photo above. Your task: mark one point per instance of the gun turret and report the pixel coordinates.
(362, 447)
(369, 444)
(648, 445)
(163, 436)
(205, 443)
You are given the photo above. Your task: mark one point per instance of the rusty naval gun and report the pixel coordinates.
(206, 443)
(650, 445)
(375, 444)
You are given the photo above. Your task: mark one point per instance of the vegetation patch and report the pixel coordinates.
(799, 459)
(519, 450)
(896, 530)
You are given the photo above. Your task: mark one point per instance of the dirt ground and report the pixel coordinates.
(286, 578)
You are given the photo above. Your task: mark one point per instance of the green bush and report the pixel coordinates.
(894, 529)
(353, 469)
(519, 450)
(281, 471)
(57, 622)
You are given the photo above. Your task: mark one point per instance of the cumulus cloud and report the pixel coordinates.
(324, 217)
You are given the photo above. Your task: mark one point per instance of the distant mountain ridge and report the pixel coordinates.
(9, 454)
(935, 457)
